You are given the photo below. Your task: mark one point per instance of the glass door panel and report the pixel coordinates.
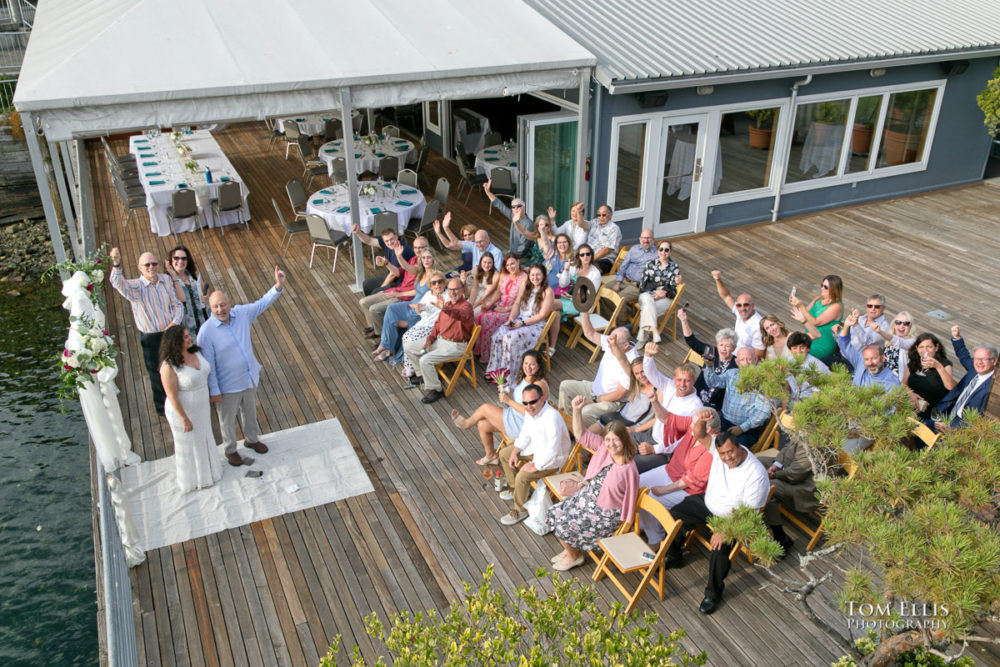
(547, 147)
(682, 146)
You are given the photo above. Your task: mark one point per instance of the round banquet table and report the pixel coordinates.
(492, 157)
(367, 158)
(334, 206)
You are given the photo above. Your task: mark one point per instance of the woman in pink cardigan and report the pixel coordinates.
(594, 509)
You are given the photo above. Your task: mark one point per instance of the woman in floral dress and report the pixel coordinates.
(594, 509)
(527, 318)
(429, 310)
(495, 314)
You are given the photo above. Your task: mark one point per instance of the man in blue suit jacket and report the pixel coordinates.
(979, 374)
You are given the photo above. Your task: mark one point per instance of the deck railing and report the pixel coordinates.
(7, 86)
(118, 618)
(21, 12)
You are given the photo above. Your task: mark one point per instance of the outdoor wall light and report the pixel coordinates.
(705, 90)
(877, 72)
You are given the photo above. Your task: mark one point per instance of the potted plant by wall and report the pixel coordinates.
(989, 102)
(828, 118)
(907, 113)
(864, 124)
(763, 127)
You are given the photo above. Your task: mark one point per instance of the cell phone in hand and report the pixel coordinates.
(648, 556)
(793, 290)
(254, 473)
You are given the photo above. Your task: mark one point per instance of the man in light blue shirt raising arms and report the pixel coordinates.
(232, 383)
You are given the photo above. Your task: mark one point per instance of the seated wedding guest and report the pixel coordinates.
(524, 324)
(390, 339)
(467, 233)
(484, 283)
(507, 416)
(429, 307)
(676, 404)
(447, 340)
(626, 280)
(388, 241)
(604, 237)
(558, 258)
(973, 389)
(736, 478)
(686, 474)
(576, 228)
(519, 244)
(373, 306)
(594, 509)
(747, 324)
(791, 476)
(610, 386)
(929, 375)
(637, 408)
(538, 451)
(774, 336)
(184, 374)
(479, 244)
(657, 289)
(872, 325)
(799, 344)
(584, 267)
(192, 289)
(819, 317)
(495, 314)
(900, 339)
(719, 358)
(744, 415)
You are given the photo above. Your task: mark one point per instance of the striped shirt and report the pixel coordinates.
(155, 306)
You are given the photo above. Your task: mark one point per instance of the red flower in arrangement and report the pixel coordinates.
(105, 332)
(98, 261)
(66, 352)
(93, 371)
(69, 368)
(90, 287)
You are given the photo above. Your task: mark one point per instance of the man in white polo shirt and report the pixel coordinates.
(736, 478)
(747, 318)
(610, 386)
(678, 402)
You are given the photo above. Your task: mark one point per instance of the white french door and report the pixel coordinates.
(547, 155)
(680, 186)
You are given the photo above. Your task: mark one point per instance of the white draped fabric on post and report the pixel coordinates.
(99, 401)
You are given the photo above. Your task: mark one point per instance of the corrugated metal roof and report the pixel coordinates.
(636, 40)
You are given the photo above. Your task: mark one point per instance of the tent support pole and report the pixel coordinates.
(352, 190)
(42, 179)
(582, 130)
(67, 207)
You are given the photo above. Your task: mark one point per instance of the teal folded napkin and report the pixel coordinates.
(407, 192)
(319, 201)
(343, 209)
(326, 120)
(381, 137)
(376, 211)
(142, 141)
(400, 141)
(379, 154)
(153, 173)
(325, 192)
(490, 152)
(156, 182)
(337, 142)
(146, 155)
(513, 164)
(181, 185)
(403, 203)
(387, 185)
(299, 120)
(149, 164)
(492, 159)
(357, 155)
(329, 150)
(224, 179)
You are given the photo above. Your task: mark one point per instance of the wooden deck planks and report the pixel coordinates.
(278, 591)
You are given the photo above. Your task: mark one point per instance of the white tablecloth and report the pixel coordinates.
(366, 158)
(311, 124)
(472, 141)
(161, 171)
(492, 157)
(822, 148)
(681, 168)
(333, 205)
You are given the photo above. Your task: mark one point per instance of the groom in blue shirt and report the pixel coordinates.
(224, 339)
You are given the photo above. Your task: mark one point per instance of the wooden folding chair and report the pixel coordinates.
(466, 365)
(664, 323)
(694, 358)
(542, 346)
(768, 437)
(925, 434)
(618, 260)
(628, 552)
(601, 325)
(697, 534)
(851, 468)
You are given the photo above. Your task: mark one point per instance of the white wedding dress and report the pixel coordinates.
(198, 464)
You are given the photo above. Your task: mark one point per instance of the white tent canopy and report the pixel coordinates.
(110, 65)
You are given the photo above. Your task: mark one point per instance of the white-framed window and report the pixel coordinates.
(862, 134)
(630, 151)
(432, 116)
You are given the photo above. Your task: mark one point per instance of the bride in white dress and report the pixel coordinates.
(184, 373)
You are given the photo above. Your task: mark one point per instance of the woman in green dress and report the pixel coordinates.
(819, 317)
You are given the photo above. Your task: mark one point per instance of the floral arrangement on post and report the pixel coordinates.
(89, 346)
(369, 190)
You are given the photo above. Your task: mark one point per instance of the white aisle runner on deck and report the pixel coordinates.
(306, 466)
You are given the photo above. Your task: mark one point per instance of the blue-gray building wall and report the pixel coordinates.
(958, 156)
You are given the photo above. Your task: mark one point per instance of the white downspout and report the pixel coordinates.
(788, 144)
